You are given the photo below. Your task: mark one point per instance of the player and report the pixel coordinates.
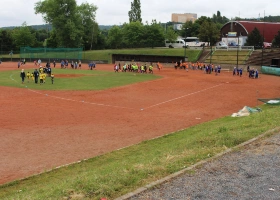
(52, 78)
(44, 77)
(22, 75)
(41, 77)
(28, 75)
(151, 69)
(32, 76)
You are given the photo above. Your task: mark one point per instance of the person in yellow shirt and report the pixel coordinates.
(28, 75)
(32, 76)
(44, 77)
(41, 77)
(52, 77)
(41, 69)
(151, 69)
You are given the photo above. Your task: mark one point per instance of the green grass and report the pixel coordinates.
(192, 54)
(119, 172)
(84, 80)
(228, 57)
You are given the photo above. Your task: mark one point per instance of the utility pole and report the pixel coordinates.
(185, 44)
(263, 38)
(237, 50)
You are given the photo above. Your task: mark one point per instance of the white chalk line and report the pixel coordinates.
(121, 107)
(164, 102)
(65, 99)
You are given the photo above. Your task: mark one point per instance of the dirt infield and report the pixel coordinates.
(41, 130)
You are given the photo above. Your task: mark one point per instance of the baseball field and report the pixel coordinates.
(45, 126)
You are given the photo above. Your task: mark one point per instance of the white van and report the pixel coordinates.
(179, 43)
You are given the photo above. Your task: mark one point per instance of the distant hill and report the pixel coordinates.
(49, 27)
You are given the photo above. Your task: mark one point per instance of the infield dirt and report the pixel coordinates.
(41, 130)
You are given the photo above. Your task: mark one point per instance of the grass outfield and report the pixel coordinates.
(68, 79)
(119, 172)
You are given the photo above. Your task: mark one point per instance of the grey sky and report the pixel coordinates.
(115, 12)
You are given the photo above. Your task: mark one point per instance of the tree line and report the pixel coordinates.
(73, 25)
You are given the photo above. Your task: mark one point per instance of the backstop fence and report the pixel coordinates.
(30, 53)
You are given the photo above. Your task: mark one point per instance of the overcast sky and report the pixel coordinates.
(115, 12)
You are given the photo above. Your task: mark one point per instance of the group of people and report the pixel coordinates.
(74, 64)
(38, 75)
(190, 65)
(253, 73)
(91, 65)
(237, 71)
(136, 68)
(21, 62)
(207, 68)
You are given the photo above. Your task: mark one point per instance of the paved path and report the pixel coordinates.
(250, 173)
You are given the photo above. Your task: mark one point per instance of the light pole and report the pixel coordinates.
(210, 49)
(237, 50)
(185, 46)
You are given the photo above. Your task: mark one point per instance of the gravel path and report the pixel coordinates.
(250, 173)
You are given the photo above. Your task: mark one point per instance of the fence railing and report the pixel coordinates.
(234, 48)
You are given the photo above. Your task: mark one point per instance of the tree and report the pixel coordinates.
(276, 41)
(65, 19)
(6, 41)
(209, 32)
(132, 34)
(187, 29)
(219, 19)
(153, 35)
(22, 36)
(115, 37)
(135, 13)
(171, 35)
(86, 12)
(254, 38)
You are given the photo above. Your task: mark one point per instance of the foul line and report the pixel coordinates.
(184, 96)
(107, 105)
(65, 99)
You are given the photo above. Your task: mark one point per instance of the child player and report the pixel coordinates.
(41, 77)
(44, 77)
(28, 75)
(52, 77)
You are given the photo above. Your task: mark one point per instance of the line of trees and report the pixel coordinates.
(74, 25)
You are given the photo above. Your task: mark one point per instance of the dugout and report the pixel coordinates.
(146, 58)
(274, 68)
(275, 62)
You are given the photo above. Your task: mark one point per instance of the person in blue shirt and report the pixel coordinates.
(240, 72)
(256, 74)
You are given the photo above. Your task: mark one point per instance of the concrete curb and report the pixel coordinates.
(171, 176)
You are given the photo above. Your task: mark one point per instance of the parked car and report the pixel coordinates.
(267, 45)
(221, 45)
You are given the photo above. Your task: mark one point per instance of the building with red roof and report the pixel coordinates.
(236, 32)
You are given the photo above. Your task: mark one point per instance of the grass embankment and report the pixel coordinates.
(119, 172)
(106, 55)
(192, 54)
(228, 57)
(69, 79)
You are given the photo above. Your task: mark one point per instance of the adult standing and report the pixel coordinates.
(22, 75)
(36, 75)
